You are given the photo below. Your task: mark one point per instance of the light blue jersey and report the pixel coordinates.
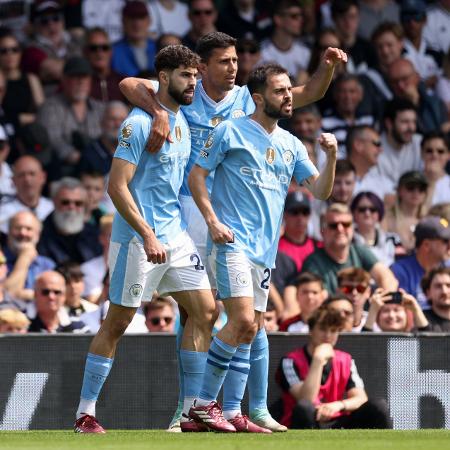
(203, 114)
(156, 183)
(253, 170)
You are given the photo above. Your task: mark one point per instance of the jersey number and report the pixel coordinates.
(265, 282)
(198, 262)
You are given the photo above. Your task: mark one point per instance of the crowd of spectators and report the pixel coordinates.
(377, 251)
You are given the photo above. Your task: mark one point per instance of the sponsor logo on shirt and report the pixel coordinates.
(209, 142)
(216, 120)
(124, 144)
(204, 154)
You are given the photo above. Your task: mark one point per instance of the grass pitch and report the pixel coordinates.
(292, 440)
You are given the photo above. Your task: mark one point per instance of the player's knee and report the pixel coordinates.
(116, 328)
(246, 329)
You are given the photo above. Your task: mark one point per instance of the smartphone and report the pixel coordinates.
(396, 297)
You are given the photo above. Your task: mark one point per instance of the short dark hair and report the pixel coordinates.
(427, 279)
(95, 30)
(326, 318)
(308, 109)
(257, 80)
(355, 274)
(174, 56)
(338, 296)
(388, 27)
(307, 277)
(157, 302)
(339, 7)
(69, 270)
(396, 105)
(343, 167)
(373, 198)
(281, 5)
(354, 133)
(344, 78)
(435, 134)
(208, 43)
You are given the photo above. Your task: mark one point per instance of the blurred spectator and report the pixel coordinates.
(321, 386)
(13, 321)
(160, 315)
(435, 156)
(339, 252)
(443, 83)
(368, 212)
(136, 51)
(346, 17)
(50, 46)
(270, 318)
(98, 51)
(441, 210)
(24, 92)
(24, 262)
(413, 16)
(50, 293)
(375, 12)
(309, 295)
(95, 185)
(7, 188)
(344, 183)
(346, 111)
(432, 243)
(284, 46)
(75, 304)
(249, 53)
(106, 15)
(400, 143)
(363, 147)
(71, 117)
(96, 268)
(167, 39)
(243, 19)
(168, 17)
(14, 15)
(5, 121)
(343, 304)
(203, 16)
(405, 84)
(436, 285)
(437, 28)
(65, 235)
(97, 156)
(394, 312)
(355, 283)
(408, 209)
(29, 180)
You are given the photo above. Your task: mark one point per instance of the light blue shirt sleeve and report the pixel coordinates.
(304, 168)
(132, 139)
(215, 148)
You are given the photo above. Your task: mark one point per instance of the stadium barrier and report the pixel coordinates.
(41, 378)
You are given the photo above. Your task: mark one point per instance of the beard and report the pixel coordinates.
(277, 113)
(181, 97)
(68, 222)
(16, 245)
(400, 138)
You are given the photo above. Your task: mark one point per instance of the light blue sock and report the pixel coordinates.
(236, 379)
(258, 377)
(180, 367)
(193, 369)
(95, 372)
(216, 368)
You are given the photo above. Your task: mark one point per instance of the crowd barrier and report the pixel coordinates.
(41, 376)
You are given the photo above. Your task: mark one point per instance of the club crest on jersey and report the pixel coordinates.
(126, 131)
(136, 290)
(178, 133)
(242, 279)
(237, 113)
(216, 120)
(270, 155)
(288, 157)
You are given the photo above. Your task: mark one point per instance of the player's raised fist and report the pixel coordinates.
(328, 143)
(333, 56)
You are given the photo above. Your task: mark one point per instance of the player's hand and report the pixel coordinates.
(328, 144)
(155, 251)
(220, 233)
(160, 131)
(333, 56)
(327, 411)
(323, 353)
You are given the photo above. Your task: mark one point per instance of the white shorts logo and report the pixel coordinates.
(242, 279)
(136, 290)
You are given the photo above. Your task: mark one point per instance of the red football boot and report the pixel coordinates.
(244, 425)
(88, 424)
(211, 416)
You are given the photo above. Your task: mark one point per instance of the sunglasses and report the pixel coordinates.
(301, 211)
(99, 48)
(415, 187)
(363, 209)
(45, 20)
(47, 292)
(293, 16)
(335, 225)
(252, 51)
(202, 12)
(157, 320)
(77, 203)
(432, 151)
(349, 288)
(6, 50)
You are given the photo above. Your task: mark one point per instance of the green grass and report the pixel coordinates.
(292, 440)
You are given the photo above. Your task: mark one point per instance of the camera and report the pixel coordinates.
(396, 297)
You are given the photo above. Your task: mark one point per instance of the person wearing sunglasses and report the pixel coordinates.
(160, 315)
(435, 156)
(249, 53)
(339, 252)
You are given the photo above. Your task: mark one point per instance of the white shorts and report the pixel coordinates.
(198, 231)
(237, 276)
(134, 279)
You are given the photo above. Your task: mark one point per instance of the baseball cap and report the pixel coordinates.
(296, 200)
(413, 178)
(135, 9)
(77, 65)
(413, 10)
(44, 7)
(432, 227)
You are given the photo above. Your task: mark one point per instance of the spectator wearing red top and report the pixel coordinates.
(321, 385)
